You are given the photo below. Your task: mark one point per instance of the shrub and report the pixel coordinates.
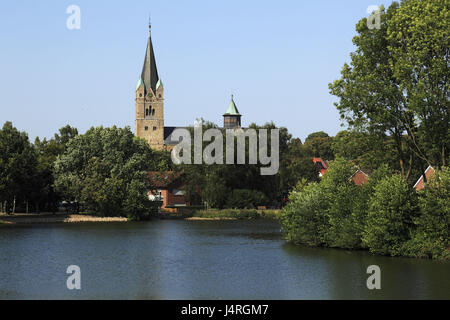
(432, 236)
(303, 218)
(246, 199)
(339, 196)
(392, 208)
(360, 205)
(240, 214)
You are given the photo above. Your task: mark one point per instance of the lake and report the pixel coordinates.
(177, 259)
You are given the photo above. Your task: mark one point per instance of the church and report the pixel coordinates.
(149, 123)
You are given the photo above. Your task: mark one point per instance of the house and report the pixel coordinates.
(166, 187)
(360, 177)
(420, 184)
(321, 165)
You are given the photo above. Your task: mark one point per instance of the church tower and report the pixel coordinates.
(232, 117)
(149, 123)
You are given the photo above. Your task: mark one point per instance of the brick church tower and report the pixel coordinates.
(149, 123)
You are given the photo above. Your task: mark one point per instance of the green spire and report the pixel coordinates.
(140, 83)
(232, 110)
(159, 84)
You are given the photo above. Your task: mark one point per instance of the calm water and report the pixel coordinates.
(198, 260)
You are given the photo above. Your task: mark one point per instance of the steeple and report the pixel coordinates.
(232, 109)
(149, 71)
(232, 117)
(149, 123)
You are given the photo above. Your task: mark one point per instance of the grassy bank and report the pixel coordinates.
(235, 214)
(55, 218)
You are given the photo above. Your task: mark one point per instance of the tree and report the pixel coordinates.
(18, 165)
(383, 89)
(65, 134)
(314, 135)
(363, 149)
(106, 170)
(320, 145)
(214, 183)
(418, 37)
(48, 151)
(296, 164)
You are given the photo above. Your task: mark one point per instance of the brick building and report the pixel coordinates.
(166, 187)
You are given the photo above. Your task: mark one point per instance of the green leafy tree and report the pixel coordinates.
(418, 36)
(397, 82)
(214, 183)
(296, 164)
(18, 167)
(48, 151)
(370, 98)
(106, 170)
(363, 149)
(320, 145)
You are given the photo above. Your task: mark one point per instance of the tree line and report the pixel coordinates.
(103, 170)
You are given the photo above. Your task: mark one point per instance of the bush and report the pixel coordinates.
(240, 214)
(339, 195)
(392, 208)
(303, 219)
(360, 205)
(432, 236)
(246, 199)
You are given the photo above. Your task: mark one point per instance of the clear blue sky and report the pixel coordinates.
(277, 57)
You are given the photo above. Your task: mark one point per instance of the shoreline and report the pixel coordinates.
(17, 219)
(62, 217)
(210, 219)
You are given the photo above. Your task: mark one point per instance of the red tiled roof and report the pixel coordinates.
(420, 183)
(323, 166)
(360, 177)
(162, 179)
(323, 163)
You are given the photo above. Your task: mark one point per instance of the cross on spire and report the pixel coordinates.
(149, 23)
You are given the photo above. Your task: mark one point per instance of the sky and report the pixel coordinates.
(276, 57)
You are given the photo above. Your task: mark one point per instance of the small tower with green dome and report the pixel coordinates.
(232, 117)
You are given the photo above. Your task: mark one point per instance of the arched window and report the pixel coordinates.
(153, 112)
(146, 112)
